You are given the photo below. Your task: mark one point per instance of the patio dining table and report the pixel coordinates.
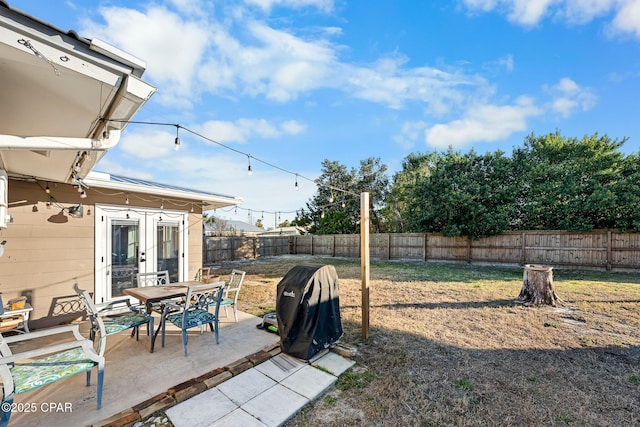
(149, 295)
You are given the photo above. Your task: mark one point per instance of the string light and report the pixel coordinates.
(297, 188)
(249, 170)
(234, 150)
(126, 200)
(47, 189)
(177, 141)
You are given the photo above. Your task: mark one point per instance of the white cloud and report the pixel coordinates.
(293, 127)
(190, 56)
(211, 170)
(583, 11)
(171, 46)
(483, 123)
(627, 19)
(388, 82)
(568, 96)
(626, 13)
(149, 144)
(323, 5)
(243, 129)
(529, 12)
(409, 133)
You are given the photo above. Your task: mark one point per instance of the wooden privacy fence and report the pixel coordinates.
(598, 249)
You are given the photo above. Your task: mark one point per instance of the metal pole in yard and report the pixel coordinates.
(364, 261)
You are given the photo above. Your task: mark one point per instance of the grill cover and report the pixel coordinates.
(308, 310)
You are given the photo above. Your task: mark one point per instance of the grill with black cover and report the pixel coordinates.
(308, 310)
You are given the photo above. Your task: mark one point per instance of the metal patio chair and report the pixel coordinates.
(25, 371)
(113, 317)
(194, 311)
(231, 292)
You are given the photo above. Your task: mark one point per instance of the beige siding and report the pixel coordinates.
(44, 257)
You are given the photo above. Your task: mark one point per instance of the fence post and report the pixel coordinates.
(333, 248)
(523, 256)
(425, 246)
(255, 247)
(609, 249)
(312, 245)
(468, 250)
(364, 261)
(388, 245)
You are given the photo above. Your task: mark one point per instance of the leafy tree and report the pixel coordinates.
(335, 208)
(415, 167)
(464, 194)
(568, 183)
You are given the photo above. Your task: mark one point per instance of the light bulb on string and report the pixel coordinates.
(296, 185)
(177, 140)
(249, 170)
(126, 200)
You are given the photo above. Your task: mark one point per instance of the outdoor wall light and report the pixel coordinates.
(76, 211)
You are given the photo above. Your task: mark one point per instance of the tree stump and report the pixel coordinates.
(537, 286)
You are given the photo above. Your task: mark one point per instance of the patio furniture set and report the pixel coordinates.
(187, 305)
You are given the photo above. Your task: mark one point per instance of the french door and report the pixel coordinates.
(131, 241)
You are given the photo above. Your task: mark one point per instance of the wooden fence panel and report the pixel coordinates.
(566, 248)
(347, 245)
(599, 249)
(494, 249)
(406, 246)
(379, 246)
(444, 248)
(625, 250)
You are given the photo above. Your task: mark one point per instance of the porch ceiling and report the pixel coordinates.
(58, 85)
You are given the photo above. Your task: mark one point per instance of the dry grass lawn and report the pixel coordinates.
(449, 347)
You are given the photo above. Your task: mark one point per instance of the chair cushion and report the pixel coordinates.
(195, 318)
(227, 302)
(116, 324)
(40, 372)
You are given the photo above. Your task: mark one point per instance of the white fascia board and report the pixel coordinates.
(90, 181)
(108, 50)
(13, 142)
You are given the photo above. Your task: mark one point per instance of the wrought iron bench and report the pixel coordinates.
(25, 371)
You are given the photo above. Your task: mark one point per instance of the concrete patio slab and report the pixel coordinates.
(133, 375)
(244, 387)
(268, 394)
(275, 406)
(238, 418)
(201, 410)
(280, 367)
(334, 363)
(309, 382)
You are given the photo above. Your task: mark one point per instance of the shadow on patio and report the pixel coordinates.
(133, 376)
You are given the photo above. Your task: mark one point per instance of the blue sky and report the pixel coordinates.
(294, 82)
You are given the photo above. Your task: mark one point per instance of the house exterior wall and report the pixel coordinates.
(47, 253)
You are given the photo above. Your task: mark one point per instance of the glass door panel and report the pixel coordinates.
(168, 244)
(125, 251)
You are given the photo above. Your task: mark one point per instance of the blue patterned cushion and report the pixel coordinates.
(116, 324)
(40, 372)
(195, 318)
(226, 302)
